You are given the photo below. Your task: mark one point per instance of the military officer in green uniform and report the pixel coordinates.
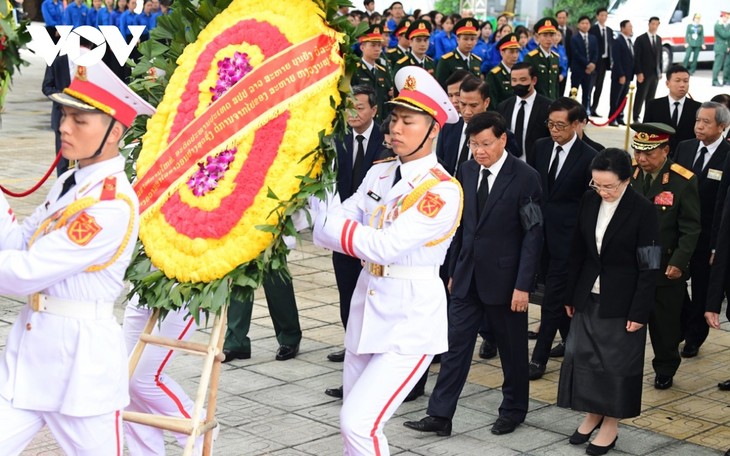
(694, 39)
(544, 60)
(401, 50)
(722, 50)
(418, 35)
(461, 58)
(673, 190)
(498, 79)
(369, 72)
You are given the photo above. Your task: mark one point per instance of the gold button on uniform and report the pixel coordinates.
(371, 292)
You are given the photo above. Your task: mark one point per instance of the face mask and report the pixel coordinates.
(521, 90)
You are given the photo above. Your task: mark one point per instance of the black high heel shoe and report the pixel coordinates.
(595, 450)
(579, 439)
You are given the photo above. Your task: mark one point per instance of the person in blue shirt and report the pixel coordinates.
(483, 43)
(527, 42)
(397, 13)
(52, 15)
(93, 13)
(121, 9)
(76, 13)
(147, 18)
(445, 41)
(128, 18)
(105, 16)
(562, 57)
(493, 56)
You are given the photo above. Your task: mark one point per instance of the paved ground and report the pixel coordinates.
(269, 407)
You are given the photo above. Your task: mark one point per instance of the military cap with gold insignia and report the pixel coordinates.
(402, 27)
(546, 25)
(373, 33)
(724, 13)
(650, 135)
(419, 91)
(508, 41)
(466, 26)
(97, 88)
(419, 28)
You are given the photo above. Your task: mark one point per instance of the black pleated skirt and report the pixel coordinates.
(603, 367)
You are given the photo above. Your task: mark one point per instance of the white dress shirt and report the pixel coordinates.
(566, 150)
(711, 148)
(368, 131)
(493, 170)
(530, 102)
(679, 108)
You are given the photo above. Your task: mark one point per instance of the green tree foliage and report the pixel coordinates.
(447, 6)
(577, 8)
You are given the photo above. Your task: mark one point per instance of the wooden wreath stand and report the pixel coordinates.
(213, 356)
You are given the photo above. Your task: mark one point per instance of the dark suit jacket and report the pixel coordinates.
(685, 156)
(560, 204)
(657, 110)
(579, 60)
(595, 145)
(596, 31)
(623, 60)
(56, 78)
(536, 128)
(567, 36)
(627, 289)
(719, 274)
(345, 155)
(648, 58)
(497, 245)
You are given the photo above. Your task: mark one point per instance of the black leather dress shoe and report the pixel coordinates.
(727, 453)
(595, 450)
(532, 335)
(558, 351)
(287, 352)
(337, 357)
(536, 370)
(334, 392)
(415, 394)
(503, 426)
(230, 355)
(724, 386)
(487, 350)
(621, 122)
(579, 439)
(441, 426)
(690, 351)
(662, 382)
(613, 124)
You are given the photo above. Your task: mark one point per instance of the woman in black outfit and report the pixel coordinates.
(611, 281)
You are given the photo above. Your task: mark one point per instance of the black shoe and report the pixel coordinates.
(337, 357)
(579, 439)
(690, 351)
(230, 355)
(621, 122)
(558, 351)
(594, 113)
(415, 394)
(287, 352)
(532, 335)
(727, 453)
(334, 392)
(441, 426)
(487, 350)
(503, 426)
(724, 386)
(595, 450)
(613, 124)
(536, 370)
(662, 382)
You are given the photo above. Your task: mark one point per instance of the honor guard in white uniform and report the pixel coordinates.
(65, 364)
(400, 223)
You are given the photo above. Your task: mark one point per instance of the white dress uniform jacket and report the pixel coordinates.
(53, 363)
(406, 316)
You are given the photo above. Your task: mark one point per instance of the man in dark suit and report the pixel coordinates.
(527, 122)
(57, 78)
(360, 147)
(563, 162)
(584, 58)
(566, 31)
(581, 130)
(604, 36)
(648, 58)
(500, 236)
(675, 109)
(622, 70)
(705, 156)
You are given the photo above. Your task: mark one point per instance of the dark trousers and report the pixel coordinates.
(599, 75)
(618, 92)
(584, 81)
(645, 91)
(347, 270)
(694, 326)
(552, 311)
(510, 329)
(282, 308)
(665, 327)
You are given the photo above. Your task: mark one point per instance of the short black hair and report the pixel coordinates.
(615, 160)
(654, 18)
(562, 11)
(365, 90)
(385, 125)
(367, 2)
(676, 68)
(601, 10)
(393, 4)
(485, 121)
(623, 23)
(456, 76)
(583, 18)
(519, 30)
(485, 23)
(473, 84)
(566, 104)
(525, 65)
(583, 114)
(722, 98)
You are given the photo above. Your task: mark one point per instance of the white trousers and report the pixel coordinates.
(99, 435)
(374, 385)
(150, 390)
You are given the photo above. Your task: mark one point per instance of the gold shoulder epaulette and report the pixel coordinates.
(392, 50)
(496, 69)
(428, 59)
(682, 171)
(385, 160)
(477, 57)
(532, 53)
(381, 68)
(554, 53)
(440, 175)
(447, 56)
(402, 60)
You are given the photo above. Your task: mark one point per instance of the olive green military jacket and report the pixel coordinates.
(548, 72)
(379, 79)
(500, 85)
(454, 61)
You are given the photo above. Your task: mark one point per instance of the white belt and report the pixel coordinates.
(396, 271)
(72, 308)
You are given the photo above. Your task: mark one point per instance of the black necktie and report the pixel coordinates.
(675, 114)
(397, 176)
(520, 127)
(67, 184)
(483, 191)
(463, 154)
(700, 162)
(647, 183)
(359, 159)
(553, 171)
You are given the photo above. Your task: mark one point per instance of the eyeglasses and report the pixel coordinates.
(556, 125)
(604, 188)
(476, 146)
